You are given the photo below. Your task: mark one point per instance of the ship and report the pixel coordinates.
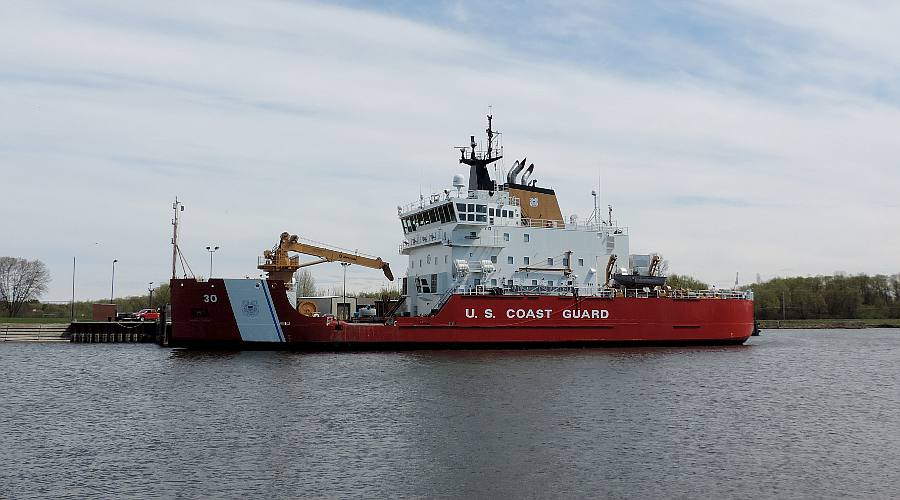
(492, 262)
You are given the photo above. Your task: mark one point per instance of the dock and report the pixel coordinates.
(85, 332)
(34, 332)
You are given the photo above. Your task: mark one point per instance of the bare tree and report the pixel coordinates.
(663, 267)
(306, 284)
(21, 280)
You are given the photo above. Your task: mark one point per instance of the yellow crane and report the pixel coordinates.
(280, 266)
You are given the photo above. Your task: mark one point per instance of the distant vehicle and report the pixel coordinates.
(147, 315)
(123, 316)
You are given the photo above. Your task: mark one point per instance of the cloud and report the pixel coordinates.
(728, 138)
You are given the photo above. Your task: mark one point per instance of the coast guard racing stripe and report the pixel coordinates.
(254, 311)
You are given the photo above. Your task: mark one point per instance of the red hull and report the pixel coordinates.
(203, 314)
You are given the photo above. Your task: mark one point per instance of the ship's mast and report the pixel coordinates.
(175, 206)
(479, 178)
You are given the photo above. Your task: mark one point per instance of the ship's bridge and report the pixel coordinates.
(432, 220)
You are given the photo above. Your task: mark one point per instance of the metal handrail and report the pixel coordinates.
(592, 291)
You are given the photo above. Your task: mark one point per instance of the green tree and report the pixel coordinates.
(685, 282)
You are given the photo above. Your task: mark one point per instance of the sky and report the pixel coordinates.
(735, 136)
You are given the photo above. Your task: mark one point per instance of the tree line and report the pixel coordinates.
(828, 297)
(306, 287)
(83, 308)
(23, 281)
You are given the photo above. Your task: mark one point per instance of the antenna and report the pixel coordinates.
(177, 206)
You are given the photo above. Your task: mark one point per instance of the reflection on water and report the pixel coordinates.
(792, 414)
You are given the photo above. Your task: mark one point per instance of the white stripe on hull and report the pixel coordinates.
(254, 311)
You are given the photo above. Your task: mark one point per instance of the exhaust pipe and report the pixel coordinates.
(527, 174)
(517, 167)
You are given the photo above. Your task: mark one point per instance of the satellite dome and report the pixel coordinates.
(458, 181)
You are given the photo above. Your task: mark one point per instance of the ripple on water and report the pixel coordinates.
(795, 414)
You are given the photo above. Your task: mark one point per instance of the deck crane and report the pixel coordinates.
(279, 266)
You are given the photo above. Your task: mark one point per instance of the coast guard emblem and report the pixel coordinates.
(250, 307)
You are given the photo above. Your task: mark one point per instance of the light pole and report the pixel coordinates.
(150, 303)
(112, 282)
(211, 251)
(344, 265)
(73, 289)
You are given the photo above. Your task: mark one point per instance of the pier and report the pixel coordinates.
(85, 332)
(37, 332)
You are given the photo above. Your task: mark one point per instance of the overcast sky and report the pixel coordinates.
(731, 136)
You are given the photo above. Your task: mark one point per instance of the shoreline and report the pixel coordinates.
(822, 324)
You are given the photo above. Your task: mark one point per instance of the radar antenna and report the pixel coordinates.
(479, 178)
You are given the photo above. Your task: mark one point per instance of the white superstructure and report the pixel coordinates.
(501, 238)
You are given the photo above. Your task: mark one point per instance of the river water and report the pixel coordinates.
(794, 413)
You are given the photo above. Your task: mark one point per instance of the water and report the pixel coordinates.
(796, 413)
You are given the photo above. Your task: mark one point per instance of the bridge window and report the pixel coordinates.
(482, 209)
(527, 237)
(505, 236)
(550, 261)
(533, 282)
(509, 260)
(550, 283)
(491, 212)
(494, 259)
(526, 260)
(442, 214)
(581, 262)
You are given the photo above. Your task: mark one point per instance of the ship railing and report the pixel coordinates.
(418, 240)
(422, 202)
(608, 293)
(439, 198)
(562, 225)
(533, 290)
(708, 294)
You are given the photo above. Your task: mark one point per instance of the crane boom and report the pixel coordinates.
(280, 266)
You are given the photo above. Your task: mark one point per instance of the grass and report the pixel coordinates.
(34, 320)
(830, 323)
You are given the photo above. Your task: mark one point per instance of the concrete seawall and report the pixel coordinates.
(34, 332)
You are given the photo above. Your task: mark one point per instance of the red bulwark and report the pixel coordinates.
(471, 321)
